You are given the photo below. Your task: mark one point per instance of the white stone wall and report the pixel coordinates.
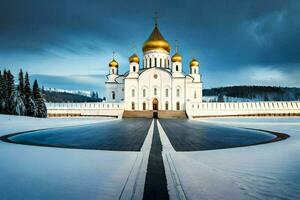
(199, 109)
(85, 109)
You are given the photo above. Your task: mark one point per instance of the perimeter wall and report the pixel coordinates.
(193, 109)
(268, 108)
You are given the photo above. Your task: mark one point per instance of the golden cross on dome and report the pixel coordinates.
(134, 47)
(155, 18)
(176, 45)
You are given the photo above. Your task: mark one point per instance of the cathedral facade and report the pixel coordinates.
(155, 82)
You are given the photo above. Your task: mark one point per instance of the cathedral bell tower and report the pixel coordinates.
(194, 70)
(176, 62)
(134, 64)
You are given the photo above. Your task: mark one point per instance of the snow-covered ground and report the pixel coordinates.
(31, 172)
(268, 171)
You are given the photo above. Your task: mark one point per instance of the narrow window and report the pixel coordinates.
(155, 91)
(177, 106)
(168, 63)
(132, 106)
(112, 71)
(144, 106)
(165, 62)
(160, 64)
(176, 68)
(150, 64)
(132, 92)
(155, 62)
(133, 68)
(167, 106)
(113, 95)
(195, 95)
(167, 93)
(177, 92)
(195, 71)
(144, 92)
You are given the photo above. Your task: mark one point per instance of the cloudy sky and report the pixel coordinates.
(68, 43)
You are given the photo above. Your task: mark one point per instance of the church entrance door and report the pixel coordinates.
(155, 108)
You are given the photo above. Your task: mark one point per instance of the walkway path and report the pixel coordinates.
(156, 183)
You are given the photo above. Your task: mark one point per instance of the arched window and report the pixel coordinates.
(155, 62)
(160, 62)
(167, 92)
(113, 95)
(144, 105)
(178, 105)
(195, 95)
(155, 91)
(195, 71)
(132, 92)
(112, 71)
(178, 92)
(176, 68)
(133, 68)
(144, 92)
(150, 63)
(167, 105)
(132, 106)
(168, 62)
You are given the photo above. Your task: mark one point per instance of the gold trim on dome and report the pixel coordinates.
(194, 62)
(113, 63)
(134, 58)
(156, 42)
(176, 58)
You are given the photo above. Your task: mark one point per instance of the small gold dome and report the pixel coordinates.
(194, 62)
(176, 58)
(113, 63)
(134, 58)
(156, 42)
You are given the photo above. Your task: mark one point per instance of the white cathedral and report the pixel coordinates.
(159, 83)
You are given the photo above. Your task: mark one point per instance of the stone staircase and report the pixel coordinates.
(161, 114)
(138, 114)
(168, 114)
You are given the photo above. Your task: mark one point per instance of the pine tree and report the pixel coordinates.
(17, 104)
(1, 92)
(10, 87)
(4, 92)
(28, 100)
(21, 86)
(41, 110)
(10, 83)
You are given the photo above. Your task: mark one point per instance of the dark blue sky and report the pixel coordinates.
(68, 43)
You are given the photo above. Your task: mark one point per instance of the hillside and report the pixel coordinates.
(53, 96)
(253, 93)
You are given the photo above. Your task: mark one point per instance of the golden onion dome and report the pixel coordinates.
(113, 63)
(194, 62)
(156, 42)
(134, 58)
(176, 58)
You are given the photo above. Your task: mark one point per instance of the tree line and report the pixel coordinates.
(263, 93)
(20, 99)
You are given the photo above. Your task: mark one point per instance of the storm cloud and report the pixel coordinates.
(228, 37)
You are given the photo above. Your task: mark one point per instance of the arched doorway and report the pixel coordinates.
(155, 107)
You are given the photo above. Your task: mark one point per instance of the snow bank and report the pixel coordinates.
(269, 171)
